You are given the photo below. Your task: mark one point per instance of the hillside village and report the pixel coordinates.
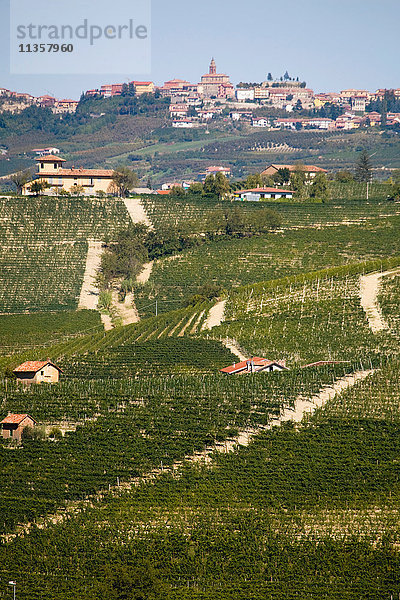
(216, 98)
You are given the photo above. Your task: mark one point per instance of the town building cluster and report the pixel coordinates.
(15, 102)
(195, 105)
(214, 97)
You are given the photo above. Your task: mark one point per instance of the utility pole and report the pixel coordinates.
(156, 308)
(13, 584)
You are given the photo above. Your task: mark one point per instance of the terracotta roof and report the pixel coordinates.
(86, 172)
(265, 190)
(307, 168)
(258, 362)
(50, 158)
(15, 419)
(218, 169)
(32, 366)
(164, 192)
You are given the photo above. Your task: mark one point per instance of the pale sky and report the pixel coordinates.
(332, 44)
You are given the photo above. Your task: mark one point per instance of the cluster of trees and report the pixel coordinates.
(220, 186)
(128, 103)
(124, 258)
(33, 119)
(296, 180)
(395, 180)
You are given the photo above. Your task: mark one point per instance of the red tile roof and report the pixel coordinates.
(15, 418)
(85, 172)
(258, 363)
(307, 168)
(32, 366)
(50, 157)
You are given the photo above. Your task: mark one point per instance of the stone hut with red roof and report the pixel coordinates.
(13, 425)
(254, 365)
(37, 371)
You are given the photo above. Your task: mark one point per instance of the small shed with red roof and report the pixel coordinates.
(37, 371)
(254, 365)
(13, 425)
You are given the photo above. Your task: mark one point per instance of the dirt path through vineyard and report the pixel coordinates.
(233, 346)
(215, 315)
(144, 276)
(136, 211)
(89, 296)
(369, 290)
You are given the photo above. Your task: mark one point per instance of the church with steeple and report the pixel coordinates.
(215, 85)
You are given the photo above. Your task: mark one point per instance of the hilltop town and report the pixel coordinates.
(194, 105)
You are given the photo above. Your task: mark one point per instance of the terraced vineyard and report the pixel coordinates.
(30, 332)
(44, 248)
(233, 263)
(174, 212)
(312, 318)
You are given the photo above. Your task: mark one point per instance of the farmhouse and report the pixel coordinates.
(254, 365)
(37, 371)
(13, 425)
(257, 194)
(51, 171)
(310, 171)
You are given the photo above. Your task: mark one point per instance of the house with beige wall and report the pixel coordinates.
(51, 170)
(37, 371)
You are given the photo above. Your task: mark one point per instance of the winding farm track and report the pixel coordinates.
(126, 310)
(215, 315)
(303, 406)
(144, 275)
(233, 346)
(369, 290)
(136, 211)
(89, 296)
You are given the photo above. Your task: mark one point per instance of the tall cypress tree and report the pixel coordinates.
(363, 170)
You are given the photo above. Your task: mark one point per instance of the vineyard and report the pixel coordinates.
(299, 513)
(250, 260)
(28, 332)
(152, 476)
(44, 248)
(177, 212)
(125, 428)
